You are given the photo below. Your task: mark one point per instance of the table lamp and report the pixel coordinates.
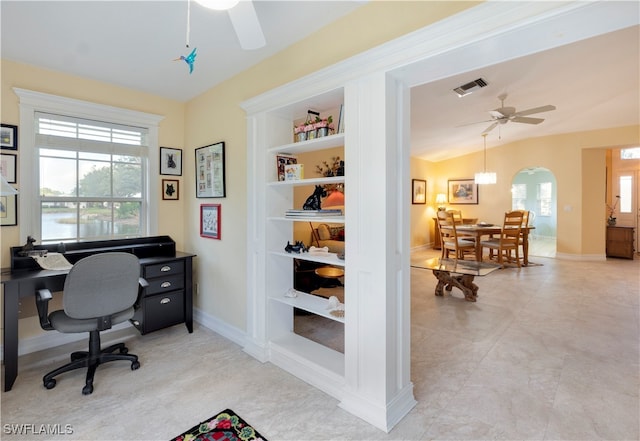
(441, 199)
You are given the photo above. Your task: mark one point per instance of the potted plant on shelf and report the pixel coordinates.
(611, 220)
(323, 126)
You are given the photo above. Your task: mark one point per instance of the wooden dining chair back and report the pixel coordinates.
(507, 245)
(451, 242)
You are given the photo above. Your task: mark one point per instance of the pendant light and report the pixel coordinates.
(485, 177)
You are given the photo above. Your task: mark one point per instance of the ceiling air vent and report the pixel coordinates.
(466, 89)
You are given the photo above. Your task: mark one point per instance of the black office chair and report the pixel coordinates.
(99, 291)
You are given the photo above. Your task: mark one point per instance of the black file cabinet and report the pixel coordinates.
(167, 301)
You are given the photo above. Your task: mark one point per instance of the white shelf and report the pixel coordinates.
(324, 142)
(327, 219)
(310, 356)
(310, 181)
(329, 259)
(310, 303)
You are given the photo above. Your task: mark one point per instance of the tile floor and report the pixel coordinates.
(548, 352)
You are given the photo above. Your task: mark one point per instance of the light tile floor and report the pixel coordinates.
(548, 352)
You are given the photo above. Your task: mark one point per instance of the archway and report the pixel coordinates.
(535, 189)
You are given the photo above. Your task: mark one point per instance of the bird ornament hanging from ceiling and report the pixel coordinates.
(191, 58)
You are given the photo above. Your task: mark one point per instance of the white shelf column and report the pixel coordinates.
(377, 340)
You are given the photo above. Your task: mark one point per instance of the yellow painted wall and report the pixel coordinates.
(171, 134)
(421, 216)
(565, 156)
(216, 116)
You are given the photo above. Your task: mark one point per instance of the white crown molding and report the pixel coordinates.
(575, 20)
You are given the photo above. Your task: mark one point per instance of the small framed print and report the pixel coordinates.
(8, 210)
(210, 180)
(170, 161)
(9, 137)
(170, 189)
(463, 191)
(418, 191)
(210, 221)
(8, 168)
(282, 160)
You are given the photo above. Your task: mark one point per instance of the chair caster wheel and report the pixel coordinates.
(87, 390)
(135, 365)
(50, 384)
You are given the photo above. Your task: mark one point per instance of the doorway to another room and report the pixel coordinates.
(535, 189)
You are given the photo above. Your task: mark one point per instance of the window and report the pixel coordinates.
(626, 182)
(91, 165)
(518, 196)
(632, 153)
(544, 198)
(91, 179)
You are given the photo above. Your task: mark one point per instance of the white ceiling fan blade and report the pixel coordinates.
(526, 120)
(473, 123)
(245, 21)
(540, 109)
(490, 128)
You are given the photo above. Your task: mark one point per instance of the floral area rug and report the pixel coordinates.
(225, 426)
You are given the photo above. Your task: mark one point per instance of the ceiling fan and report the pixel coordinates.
(505, 114)
(243, 18)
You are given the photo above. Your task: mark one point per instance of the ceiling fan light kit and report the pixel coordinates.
(218, 5)
(504, 115)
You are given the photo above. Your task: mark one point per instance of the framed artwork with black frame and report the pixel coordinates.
(463, 191)
(210, 221)
(8, 168)
(170, 161)
(418, 191)
(8, 137)
(210, 179)
(8, 210)
(170, 189)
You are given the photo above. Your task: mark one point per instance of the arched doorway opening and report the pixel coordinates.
(535, 189)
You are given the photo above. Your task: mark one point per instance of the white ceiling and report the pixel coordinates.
(594, 83)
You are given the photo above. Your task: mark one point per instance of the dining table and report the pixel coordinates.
(479, 230)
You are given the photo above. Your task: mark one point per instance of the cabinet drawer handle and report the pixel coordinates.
(165, 268)
(165, 301)
(165, 284)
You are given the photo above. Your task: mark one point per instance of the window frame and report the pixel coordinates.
(31, 102)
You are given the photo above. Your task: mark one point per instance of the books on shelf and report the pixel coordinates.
(313, 213)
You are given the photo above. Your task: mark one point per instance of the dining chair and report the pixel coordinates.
(450, 239)
(508, 243)
(457, 219)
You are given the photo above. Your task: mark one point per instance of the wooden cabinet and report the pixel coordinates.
(620, 242)
(167, 300)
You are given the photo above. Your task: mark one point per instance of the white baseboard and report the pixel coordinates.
(582, 257)
(48, 340)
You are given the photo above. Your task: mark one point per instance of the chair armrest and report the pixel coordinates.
(42, 303)
(143, 282)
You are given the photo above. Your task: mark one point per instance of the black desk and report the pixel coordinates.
(156, 255)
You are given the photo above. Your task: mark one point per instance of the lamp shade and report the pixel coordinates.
(441, 198)
(485, 178)
(7, 190)
(335, 199)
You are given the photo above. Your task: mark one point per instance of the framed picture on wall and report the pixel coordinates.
(463, 191)
(170, 189)
(8, 137)
(210, 221)
(418, 191)
(8, 210)
(210, 179)
(8, 168)
(170, 161)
